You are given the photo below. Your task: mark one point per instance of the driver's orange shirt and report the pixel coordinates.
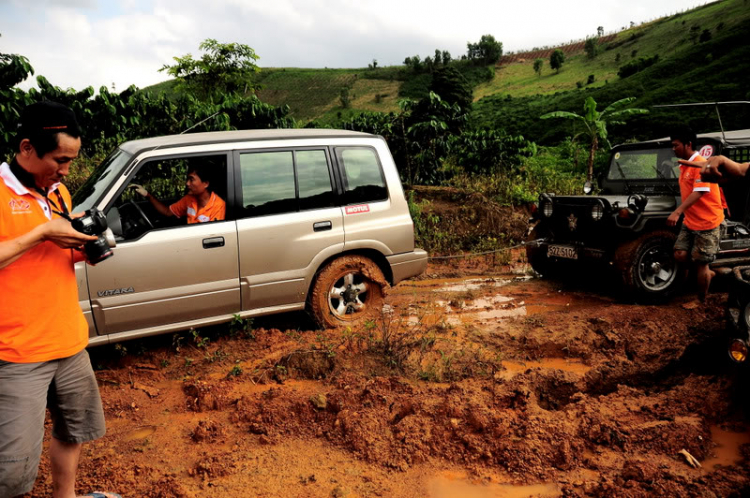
(214, 210)
(40, 318)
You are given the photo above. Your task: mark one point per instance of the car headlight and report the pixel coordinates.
(597, 211)
(547, 208)
(738, 350)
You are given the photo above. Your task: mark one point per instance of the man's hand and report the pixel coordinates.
(139, 188)
(673, 219)
(62, 233)
(716, 168)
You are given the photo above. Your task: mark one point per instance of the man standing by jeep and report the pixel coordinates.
(701, 206)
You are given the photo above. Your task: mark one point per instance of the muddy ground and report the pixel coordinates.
(479, 380)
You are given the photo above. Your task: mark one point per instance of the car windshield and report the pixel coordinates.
(644, 164)
(91, 191)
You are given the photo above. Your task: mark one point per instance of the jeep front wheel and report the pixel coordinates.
(348, 291)
(648, 267)
(536, 255)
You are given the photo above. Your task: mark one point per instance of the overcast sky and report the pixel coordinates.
(77, 43)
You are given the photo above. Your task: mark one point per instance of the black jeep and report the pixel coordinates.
(624, 225)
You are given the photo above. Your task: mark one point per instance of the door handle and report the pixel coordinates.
(322, 225)
(213, 242)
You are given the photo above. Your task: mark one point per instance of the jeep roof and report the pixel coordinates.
(734, 138)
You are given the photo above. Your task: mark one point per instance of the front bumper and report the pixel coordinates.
(570, 250)
(407, 265)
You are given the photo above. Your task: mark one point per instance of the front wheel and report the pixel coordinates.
(348, 291)
(649, 270)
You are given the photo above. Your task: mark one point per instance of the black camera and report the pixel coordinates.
(93, 222)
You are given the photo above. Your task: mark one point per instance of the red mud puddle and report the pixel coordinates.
(548, 364)
(727, 451)
(457, 485)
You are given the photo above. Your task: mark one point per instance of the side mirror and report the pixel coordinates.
(114, 222)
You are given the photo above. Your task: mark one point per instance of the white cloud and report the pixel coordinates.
(76, 43)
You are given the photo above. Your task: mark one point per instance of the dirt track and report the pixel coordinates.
(478, 382)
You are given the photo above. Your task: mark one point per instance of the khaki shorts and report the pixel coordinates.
(68, 388)
(702, 245)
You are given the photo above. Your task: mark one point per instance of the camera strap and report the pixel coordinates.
(62, 208)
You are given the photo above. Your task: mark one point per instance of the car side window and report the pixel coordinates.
(275, 182)
(165, 180)
(362, 175)
(268, 185)
(314, 180)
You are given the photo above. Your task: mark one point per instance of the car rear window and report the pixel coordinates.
(362, 174)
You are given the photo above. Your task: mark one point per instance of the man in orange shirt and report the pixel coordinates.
(43, 333)
(200, 205)
(703, 211)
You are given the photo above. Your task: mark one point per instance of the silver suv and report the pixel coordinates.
(315, 220)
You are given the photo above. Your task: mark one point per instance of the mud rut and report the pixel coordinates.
(476, 381)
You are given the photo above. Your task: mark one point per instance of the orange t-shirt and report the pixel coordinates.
(40, 318)
(708, 212)
(214, 210)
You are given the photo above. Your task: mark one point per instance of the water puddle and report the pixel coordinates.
(727, 452)
(472, 284)
(140, 433)
(450, 485)
(563, 364)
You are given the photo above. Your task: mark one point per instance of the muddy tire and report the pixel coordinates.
(649, 271)
(537, 256)
(348, 291)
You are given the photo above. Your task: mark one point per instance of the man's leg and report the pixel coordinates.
(64, 462)
(77, 416)
(705, 274)
(705, 247)
(23, 395)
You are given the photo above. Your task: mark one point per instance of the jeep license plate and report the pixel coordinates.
(562, 252)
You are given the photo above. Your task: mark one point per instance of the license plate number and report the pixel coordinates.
(562, 252)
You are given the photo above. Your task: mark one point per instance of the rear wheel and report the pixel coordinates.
(647, 265)
(348, 291)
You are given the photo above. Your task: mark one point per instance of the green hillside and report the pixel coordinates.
(714, 70)
(687, 70)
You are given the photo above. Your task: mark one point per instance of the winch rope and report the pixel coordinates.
(484, 253)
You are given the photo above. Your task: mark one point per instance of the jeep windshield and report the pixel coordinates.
(96, 185)
(643, 164)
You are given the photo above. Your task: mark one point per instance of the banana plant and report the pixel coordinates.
(595, 123)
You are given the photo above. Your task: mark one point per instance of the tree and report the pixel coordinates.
(705, 36)
(538, 65)
(556, 60)
(446, 57)
(591, 47)
(487, 50)
(595, 123)
(452, 87)
(224, 68)
(694, 33)
(438, 57)
(13, 70)
(600, 31)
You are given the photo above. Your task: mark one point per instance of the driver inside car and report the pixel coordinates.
(200, 205)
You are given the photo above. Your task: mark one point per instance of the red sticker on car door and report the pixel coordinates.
(362, 208)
